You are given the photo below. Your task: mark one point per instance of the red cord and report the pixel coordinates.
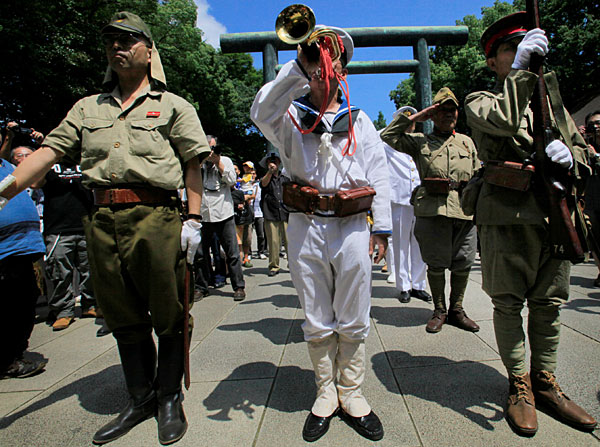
(327, 73)
(351, 135)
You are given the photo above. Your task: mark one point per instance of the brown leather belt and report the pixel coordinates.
(123, 196)
(324, 203)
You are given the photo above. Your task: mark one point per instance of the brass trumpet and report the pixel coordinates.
(296, 25)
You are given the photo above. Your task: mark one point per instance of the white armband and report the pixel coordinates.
(6, 182)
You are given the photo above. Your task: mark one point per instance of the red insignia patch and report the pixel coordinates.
(152, 114)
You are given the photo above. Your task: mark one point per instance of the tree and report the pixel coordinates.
(380, 121)
(574, 32)
(55, 57)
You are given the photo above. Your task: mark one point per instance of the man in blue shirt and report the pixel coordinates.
(21, 245)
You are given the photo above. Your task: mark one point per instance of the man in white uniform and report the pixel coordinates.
(329, 257)
(409, 268)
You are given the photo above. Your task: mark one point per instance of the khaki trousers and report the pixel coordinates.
(276, 233)
(517, 268)
(137, 269)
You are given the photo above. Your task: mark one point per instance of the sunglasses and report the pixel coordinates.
(126, 40)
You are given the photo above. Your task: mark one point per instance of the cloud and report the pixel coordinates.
(208, 24)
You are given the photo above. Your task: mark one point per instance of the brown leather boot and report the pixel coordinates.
(436, 321)
(458, 318)
(520, 410)
(548, 393)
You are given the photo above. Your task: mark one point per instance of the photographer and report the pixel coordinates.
(592, 188)
(13, 129)
(218, 176)
(276, 217)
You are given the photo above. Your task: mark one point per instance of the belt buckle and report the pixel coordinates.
(453, 184)
(111, 196)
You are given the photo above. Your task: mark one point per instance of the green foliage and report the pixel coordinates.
(380, 121)
(574, 31)
(56, 57)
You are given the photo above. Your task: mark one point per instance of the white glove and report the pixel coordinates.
(535, 41)
(559, 153)
(190, 238)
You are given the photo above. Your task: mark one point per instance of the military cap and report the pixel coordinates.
(507, 28)
(445, 95)
(405, 110)
(127, 21)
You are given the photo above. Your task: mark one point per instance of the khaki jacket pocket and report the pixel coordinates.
(96, 138)
(148, 136)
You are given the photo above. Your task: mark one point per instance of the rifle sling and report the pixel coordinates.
(556, 103)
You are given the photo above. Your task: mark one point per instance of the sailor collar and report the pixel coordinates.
(308, 114)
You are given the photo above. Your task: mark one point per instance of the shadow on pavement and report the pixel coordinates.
(294, 391)
(583, 305)
(100, 393)
(386, 292)
(274, 329)
(401, 316)
(287, 301)
(284, 283)
(581, 281)
(467, 388)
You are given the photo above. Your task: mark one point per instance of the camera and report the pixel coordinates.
(20, 130)
(217, 149)
(591, 127)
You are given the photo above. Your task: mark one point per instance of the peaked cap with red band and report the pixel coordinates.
(503, 30)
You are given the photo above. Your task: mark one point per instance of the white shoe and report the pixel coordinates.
(391, 279)
(262, 256)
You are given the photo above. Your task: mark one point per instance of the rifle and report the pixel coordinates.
(564, 241)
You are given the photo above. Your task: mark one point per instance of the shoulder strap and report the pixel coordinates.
(556, 103)
(436, 153)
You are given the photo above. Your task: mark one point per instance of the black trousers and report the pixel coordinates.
(225, 231)
(261, 242)
(18, 294)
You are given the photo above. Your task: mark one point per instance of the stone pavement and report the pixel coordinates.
(252, 382)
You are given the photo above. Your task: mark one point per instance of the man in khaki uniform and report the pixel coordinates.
(136, 145)
(446, 161)
(513, 229)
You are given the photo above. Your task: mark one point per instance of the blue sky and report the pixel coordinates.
(369, 92)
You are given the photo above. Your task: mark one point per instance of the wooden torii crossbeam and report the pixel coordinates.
(419, 37)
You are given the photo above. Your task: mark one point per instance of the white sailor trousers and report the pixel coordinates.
(410, 268)
(331, 270)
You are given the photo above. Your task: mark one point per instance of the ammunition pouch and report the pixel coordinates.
(470, 193)
(307, 199)
(509, 174)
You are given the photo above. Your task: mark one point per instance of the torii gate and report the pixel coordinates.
(419, 37)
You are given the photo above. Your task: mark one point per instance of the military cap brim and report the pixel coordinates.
(507, 28)
(126, 21)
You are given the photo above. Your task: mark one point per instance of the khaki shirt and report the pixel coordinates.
(145, 144)
(453, 158)
(502, 124)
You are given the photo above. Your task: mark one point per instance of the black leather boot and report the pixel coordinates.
(139, 366)
(172, 424)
